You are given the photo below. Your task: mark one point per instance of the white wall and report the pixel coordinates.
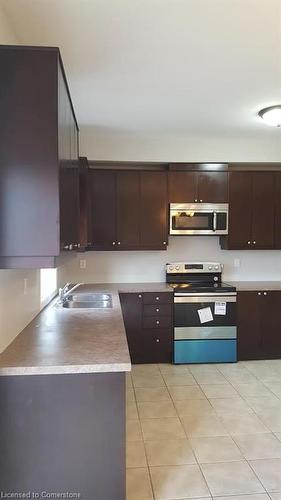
(148, 266)
(19, 290)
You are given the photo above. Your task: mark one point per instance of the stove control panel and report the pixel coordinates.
(193, 267)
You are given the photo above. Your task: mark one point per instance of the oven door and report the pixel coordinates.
(190, 219)
(205, 317)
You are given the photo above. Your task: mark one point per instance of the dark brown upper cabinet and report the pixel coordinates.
(39, 198)
(277, 228)
(127, 210)
(251, 211)
(198, 186)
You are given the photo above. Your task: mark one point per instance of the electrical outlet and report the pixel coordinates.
(25, 286)
(237, 263)
(83, 264)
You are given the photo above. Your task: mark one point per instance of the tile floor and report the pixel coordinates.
(204, 431)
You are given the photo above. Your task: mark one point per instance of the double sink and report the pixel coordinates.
(87, 301)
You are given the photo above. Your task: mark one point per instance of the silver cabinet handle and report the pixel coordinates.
(164, 242)
(265, 293)
(119, 243)
(114, 243)
(215, 222)
(158, 340)
(66, 247)
(140, 296)
(200, 201)
(196, 201)
(157, 310)
(249, 243)
(254, 242)
(157, 322)
(157, 298)
(259, 293)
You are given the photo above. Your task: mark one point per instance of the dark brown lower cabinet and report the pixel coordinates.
(259, 325)
(148, 321)
(63, 433)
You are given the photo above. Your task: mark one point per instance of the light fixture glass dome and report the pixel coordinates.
(272, 115)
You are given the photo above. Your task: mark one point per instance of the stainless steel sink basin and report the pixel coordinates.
(88, 301)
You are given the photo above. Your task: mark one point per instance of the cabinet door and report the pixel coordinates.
(271, 324)
(131, 304)
(263, 210)
(240, 211)
(277, 228)
(154, 219)
(69, 207)
(182, 187)
(102, 209)
(128, 209)
(249, 327)
(213, 187)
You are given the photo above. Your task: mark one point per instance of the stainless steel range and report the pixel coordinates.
(204, 313)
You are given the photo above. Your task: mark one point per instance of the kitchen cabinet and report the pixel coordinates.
(198, 186)
(127, 210)
(259, 324)
(277, 221)
(148, 320)
(38, 143)
(251, 211)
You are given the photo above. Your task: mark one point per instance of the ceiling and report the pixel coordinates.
(181, 66)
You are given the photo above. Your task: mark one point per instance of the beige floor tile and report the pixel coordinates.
(178, 482)
(275, 496)
(148, 380)
(275, 387)
(171, 452)
(219, 391)
(264, 403)
(259, 446)
(152, 394)
(135, 454)
(129, 384)
(156, 409)
(230, 406)
(269, 473)
(138, 485)
(130, 395)
(248, 390)
(271, 418)
(243, 424)
(193, 407)
(257, 496)
(215, 449)
(145, 369)
(166, 369)
(241, 378)
(133, 431)
(198, 370)
(207, 425)
(172, 379)
(186, 392)
(162, 428)
(210, 378)
(131, 410)
(231, 478)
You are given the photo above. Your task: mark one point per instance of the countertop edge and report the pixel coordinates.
(66, 369)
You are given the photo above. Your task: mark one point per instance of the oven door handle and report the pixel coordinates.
(215, 222)
(216, 297)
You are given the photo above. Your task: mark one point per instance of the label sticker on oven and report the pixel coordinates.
(220, 308)
(205, 315)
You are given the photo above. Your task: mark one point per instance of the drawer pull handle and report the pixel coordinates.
(157, 310)
(265, 293)
(157, 298)
(157, 340)
(140, 296)
(157, 322)
(259, 293)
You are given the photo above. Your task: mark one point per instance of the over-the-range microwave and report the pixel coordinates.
(198, 218)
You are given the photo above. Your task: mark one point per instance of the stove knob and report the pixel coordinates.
(216, 268)
(210, 268)
(171, 268)
(177, 268)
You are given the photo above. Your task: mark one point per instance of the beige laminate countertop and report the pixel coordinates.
(247, 286)
(61, 341)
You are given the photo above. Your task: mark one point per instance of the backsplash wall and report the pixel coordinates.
(149, 266)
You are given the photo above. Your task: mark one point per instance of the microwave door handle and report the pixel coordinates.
(215, 222)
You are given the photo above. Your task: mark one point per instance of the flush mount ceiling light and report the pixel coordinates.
(271, 115)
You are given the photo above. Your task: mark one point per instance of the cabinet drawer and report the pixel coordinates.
(157, 322)
(157, 310)
(157, 298)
